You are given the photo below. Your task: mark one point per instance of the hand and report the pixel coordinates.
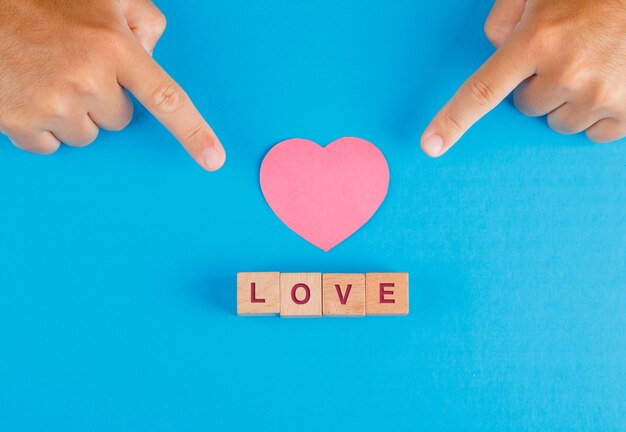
(564, 58)
(64, 67)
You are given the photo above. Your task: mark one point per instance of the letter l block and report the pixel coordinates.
(258, 293)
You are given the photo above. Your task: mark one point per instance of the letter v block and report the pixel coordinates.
(300, 295)
(258, 293)
(387, 293)
(344, 294)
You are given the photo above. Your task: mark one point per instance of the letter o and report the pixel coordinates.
(307, 296)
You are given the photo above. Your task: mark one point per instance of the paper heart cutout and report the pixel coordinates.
(325, 194)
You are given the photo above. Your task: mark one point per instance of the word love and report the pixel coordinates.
(317, 294)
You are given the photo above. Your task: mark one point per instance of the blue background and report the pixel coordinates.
(118, 262)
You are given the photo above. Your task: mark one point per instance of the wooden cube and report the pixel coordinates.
(258, 293)
(300, 294)
(387, 293)
(343, 294)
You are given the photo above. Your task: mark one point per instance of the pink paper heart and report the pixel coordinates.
(325, 194)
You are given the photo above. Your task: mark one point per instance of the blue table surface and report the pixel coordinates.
(118, 262)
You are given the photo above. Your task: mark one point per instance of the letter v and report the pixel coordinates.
(343, 299)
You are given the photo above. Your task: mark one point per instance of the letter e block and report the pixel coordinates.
(343, 294)
(300, 294)
(387, 293)
(258, 293)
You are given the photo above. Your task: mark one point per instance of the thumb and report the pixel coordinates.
(502, 20)
(145, 20)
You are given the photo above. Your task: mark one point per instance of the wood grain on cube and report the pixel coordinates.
(343, 294)
(258, 293)
(387, 293)
(300, 294)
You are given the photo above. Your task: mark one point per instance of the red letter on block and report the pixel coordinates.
(307, 296)
(384, 292)
(343, 299)
(253, 298)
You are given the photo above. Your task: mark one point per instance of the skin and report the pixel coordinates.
(65, 69)
(563, 58)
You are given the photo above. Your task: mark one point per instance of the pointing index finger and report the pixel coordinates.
(481, 93)
(169, 104)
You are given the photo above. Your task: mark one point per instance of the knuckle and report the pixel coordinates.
(86, 84)
(554, 123)
(45, 149)
(604, 132)
(542, 36)
(112, 35)
(102, 36)
(194, 136)
(168, 99)
(89, 136)
(571, 76)
(562, 126)
(84, 137)
(523, 103)
(120, 119)
(112, 42)
(597, 137)
(536, 41)
(494, 34)
(479, 91)
(489, 29)
(52, 104)
(124, 120)
(602, 96)
(159, 23)
(12, 121)
(37, 147)
(453, 122)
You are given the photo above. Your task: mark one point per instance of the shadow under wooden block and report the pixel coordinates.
(258, 293)
(300, 295)
(387, 293)
(343, 294)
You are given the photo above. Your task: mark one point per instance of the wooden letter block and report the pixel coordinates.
(387, 293)
(258, 293)
(344, 294)
(300, 294)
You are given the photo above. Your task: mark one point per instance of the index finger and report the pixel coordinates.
(481, 93)
(171, 106)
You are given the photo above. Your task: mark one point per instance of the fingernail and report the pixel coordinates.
(433, 145)
(213, 159)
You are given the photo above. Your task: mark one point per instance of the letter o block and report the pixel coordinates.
(387, 293)
(300, 295)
